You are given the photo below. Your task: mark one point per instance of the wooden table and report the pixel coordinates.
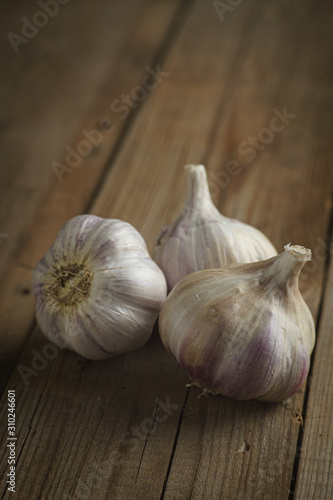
(165, 83)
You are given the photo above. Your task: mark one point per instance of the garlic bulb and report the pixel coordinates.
(243, 331)
(202, 238)
(97, 290)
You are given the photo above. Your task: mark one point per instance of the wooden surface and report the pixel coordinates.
(129, 428)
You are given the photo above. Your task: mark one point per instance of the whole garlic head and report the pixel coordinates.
(97, 290)
(243, 331)
(202, 238)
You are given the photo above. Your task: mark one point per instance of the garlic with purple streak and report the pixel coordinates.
(243, 331)
(203, 238)
(97, 290)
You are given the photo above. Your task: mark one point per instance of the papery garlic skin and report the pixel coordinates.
(203, 238)
(97, 290)
(243, 331)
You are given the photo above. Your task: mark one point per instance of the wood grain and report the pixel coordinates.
(106, 430)
(315, 453)
(43, 104)
(128, 427)
(123, 40)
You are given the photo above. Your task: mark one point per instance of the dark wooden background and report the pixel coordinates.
(128, 428)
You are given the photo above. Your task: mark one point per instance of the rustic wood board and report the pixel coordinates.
(128, 427)
(315, 450)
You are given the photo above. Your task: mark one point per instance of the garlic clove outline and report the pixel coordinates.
(202, 238)
(243, 331)
(97, 290)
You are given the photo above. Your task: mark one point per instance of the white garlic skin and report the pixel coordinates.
(97, 290)
(203, 238)
(243, 331)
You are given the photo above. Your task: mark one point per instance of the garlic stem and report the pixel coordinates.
(299, 252)
(70, 285)
(198, 195)
(287, 266)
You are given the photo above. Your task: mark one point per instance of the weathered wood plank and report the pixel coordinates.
(315, 470)
(94, 428)
(236, 443)
(46, 95)
(75, 94)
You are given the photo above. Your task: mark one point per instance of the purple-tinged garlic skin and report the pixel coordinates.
(243, 331)
(97, 290)
(203, 238)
